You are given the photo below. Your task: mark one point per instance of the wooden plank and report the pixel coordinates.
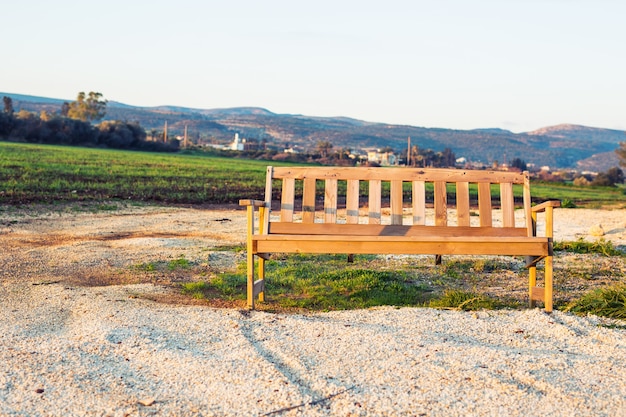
(528, 214)
(330, 201)
(308, 200)
(401, 245)
(538, 294)
(507, 204)
(396, 202)
(352, 201)
(441, 207)
(250, 245)
(287, 200)
(401, 174)
(419, 202)
(484, 204)
(462, 203)
(269, 176)
(374, 202)
(391, 230)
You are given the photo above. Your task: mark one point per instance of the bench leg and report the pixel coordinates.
(250, 276)
(262, 279)
(548, 284)
(532, 281)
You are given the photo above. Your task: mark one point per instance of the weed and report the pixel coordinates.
(601, 246)
(196, 290)
(228, 248)
(180, 263)
(606, 302)
(148, 267)
(463, 300)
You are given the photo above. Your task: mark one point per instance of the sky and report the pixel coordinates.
(512, 64)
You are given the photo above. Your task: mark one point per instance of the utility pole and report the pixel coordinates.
(165, 132)
(185, 140)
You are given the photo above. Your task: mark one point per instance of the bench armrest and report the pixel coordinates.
(543, 206)
(253, 203)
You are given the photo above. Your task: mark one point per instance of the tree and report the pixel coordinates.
(324, 147)
(8, 105)
(519, 164)
(621, 152)
(609, 178)
(89, 108)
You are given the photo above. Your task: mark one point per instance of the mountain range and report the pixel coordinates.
(561, 146)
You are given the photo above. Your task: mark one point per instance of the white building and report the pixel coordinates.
(238, 144)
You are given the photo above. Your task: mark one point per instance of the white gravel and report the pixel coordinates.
(71, 351)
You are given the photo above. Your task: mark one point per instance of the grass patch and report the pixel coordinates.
(228, 248)
(464, 300)
(605, 302)
(180, 263)
(601, 246)
(319, 283)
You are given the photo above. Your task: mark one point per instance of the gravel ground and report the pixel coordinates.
(69, 350)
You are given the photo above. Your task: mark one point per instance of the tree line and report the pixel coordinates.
(74, 125)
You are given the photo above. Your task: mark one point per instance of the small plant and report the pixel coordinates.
(567, 203)
(601, 246)
(463, 300)
(606, 302)
(148, 267)
(180, 263)
(229, 248)
(195, 289)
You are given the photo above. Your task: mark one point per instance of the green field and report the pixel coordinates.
(43, 173)
(48, 174)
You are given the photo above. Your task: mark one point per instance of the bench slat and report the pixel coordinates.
(288, 199)
(484, 204)
(402, 245)
(396, 202)
(441, 208)
(330, 201)
(374, 204)
(352, 201)
(462, 204)
(403, 174)
(507, 204)
(308, 200)
(392, 230)
(419, 203)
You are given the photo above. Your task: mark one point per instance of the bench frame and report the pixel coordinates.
(346, 224)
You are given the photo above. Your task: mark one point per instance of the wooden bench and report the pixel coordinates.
(364, 211)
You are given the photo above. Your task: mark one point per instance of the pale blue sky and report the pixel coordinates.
(513, 64)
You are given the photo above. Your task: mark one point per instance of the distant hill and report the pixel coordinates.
(561, 146)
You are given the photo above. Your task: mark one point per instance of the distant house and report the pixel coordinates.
(238, 144)
(382, 158)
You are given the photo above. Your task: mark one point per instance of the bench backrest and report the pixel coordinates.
(396, 197)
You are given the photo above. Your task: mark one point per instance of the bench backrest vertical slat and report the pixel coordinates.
(330, 201)
(419, 203)
(441, 204)
(352, 202)
(374, 202)
(507, 205)
(484, 204)
(527, 205)
(287, 200)
(462, 203)
(265, 220)
(308, 200)
(396, 202)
